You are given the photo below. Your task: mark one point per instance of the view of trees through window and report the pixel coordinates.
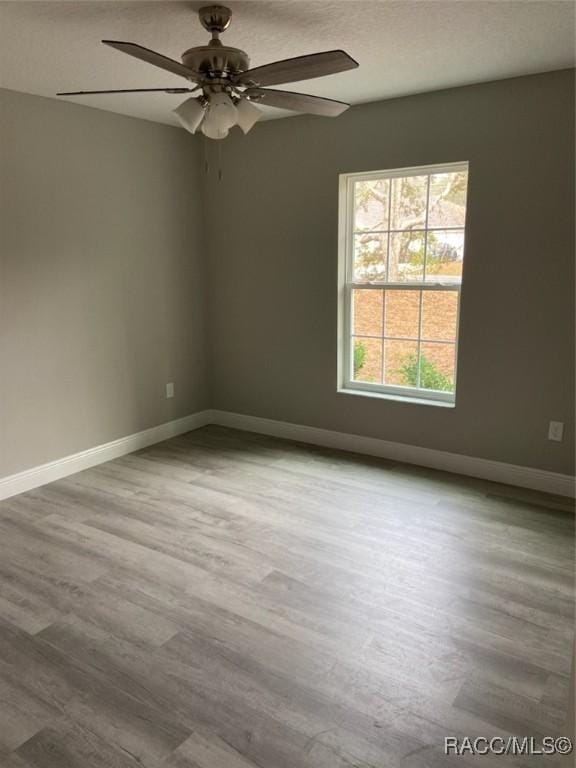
(407, 249)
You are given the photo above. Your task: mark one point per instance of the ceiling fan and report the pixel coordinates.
(229, 89)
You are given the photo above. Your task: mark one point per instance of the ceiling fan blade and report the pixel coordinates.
(128, 90)
(299, 68)
(299, 102)
(151, 57)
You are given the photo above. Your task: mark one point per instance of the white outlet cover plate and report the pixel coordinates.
(556, 431)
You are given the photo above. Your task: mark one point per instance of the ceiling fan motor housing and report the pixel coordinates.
(216, 60)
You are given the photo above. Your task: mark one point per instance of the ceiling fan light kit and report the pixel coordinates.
(216, 114)
(228, 86)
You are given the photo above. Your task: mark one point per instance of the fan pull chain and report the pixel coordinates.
(219, 159)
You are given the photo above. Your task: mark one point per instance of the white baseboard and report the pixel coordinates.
(54, 470)
(525, 477)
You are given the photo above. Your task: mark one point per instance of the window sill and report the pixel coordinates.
(396, 398)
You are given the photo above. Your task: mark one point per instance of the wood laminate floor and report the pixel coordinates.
(227, 600)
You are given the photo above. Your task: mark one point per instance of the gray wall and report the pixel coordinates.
(102, 285)
(104, 291)
(273, 271)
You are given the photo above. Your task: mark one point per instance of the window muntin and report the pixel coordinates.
(402, 250)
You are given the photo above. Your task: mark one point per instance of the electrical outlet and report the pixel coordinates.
(556, 431)
(170, 389)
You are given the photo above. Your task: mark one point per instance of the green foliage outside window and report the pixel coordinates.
(430, 376)
(408, 208)
(359, 357)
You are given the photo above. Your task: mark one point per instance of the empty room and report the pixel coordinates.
(287, 384)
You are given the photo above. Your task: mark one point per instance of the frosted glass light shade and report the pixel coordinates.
(248, 115)
(213, 131)
(190, 114)
(220, 117)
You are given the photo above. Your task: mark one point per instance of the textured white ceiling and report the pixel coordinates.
(403, 47)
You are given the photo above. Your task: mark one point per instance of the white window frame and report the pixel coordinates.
(346, 284)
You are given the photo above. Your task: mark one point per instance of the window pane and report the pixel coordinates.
(407, 235)
(447, 207)
(409, 202)
(371, 203)
(400, 362)
(367, 315)
(402, 314)
(406, 257)
(367, 360)
(370, 253)
(444, 254)
(439, 315)
(437, 362)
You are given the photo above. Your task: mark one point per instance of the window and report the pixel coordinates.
(401, 254)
